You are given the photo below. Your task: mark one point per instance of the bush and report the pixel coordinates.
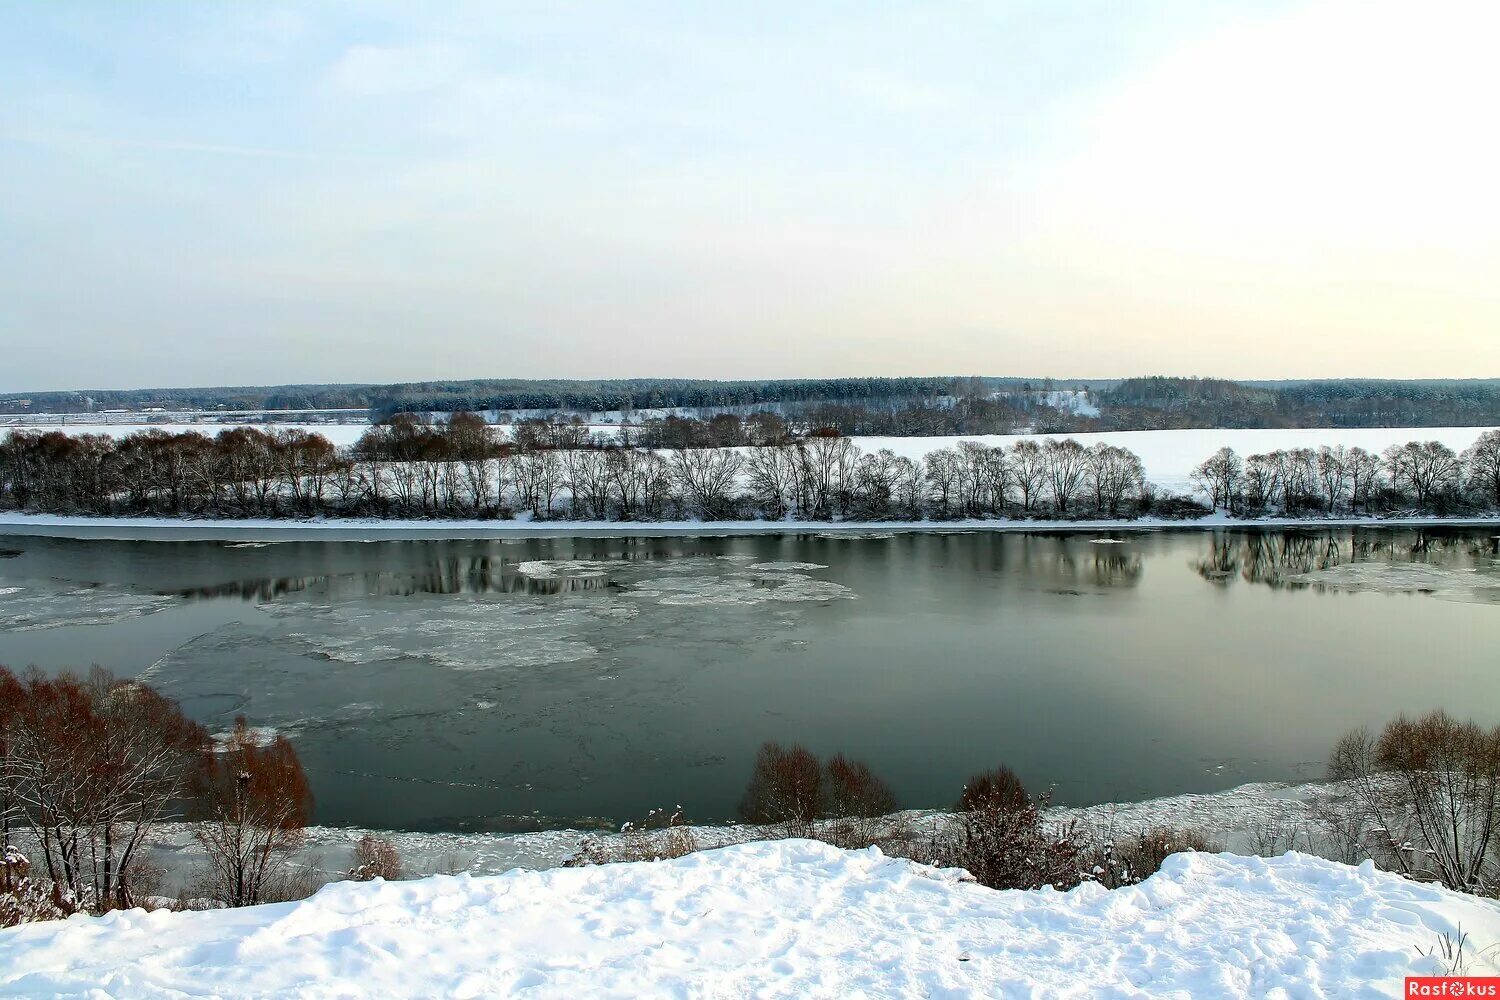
(852, 789)
(661, 836)
(1130, 860)
(996, 789)
(24, 899)
(786, 789)
(856, 799)
(375, 857)
(1429, 792)
(1009, 847)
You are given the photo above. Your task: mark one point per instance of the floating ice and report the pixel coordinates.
(1456, 582)
(27, 608)
(548, 569)
(790, 567)
(740, 590)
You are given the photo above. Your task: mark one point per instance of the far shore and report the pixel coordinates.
(401, 529)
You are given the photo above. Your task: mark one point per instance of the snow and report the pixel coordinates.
(395, 529)
(785, 918)
(339, 434)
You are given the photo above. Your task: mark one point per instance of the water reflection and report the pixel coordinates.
(1324, 560)
(451, 576)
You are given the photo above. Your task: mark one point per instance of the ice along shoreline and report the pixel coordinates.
(402, 529)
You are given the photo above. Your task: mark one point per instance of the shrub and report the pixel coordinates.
(253, 802)
(856, 800)
(786, 789)
(851, 789)
(375, 857)
(996, 789)
(661, 836)
(24, 899)
(1130, 860)
(1429, 792)
(1009, 847)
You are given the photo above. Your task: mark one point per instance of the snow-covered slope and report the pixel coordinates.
(788, 918)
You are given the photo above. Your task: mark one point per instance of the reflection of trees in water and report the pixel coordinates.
(453, 575)
(1276, 558)
(1065, 561)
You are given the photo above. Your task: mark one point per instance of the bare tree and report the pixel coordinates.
(94, 765)
(1425, 468)
(709, 478)
(1482, 459)
(786, 789)
(253, 802)
(1066, 462)
(1430, 790)
(1219, 477)
(1028, 469)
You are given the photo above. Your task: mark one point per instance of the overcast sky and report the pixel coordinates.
(213, 193)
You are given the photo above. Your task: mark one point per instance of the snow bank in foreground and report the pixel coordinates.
(789, 918)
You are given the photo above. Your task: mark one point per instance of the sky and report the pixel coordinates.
(251, 193)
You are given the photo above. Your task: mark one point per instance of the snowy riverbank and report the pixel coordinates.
(1243, 819)
(397, 529)
(788, 918)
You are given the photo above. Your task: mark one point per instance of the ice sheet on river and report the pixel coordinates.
(40, 605)
(1456, 583)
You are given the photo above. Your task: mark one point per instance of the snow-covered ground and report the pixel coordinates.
(339, 434)
(1260, 817)
(397, 529)
(786, 918)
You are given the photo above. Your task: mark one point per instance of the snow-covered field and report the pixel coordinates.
(787, 918)
(339, 434)
(1169, 456)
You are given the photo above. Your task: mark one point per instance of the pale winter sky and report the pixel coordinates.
(210, 193)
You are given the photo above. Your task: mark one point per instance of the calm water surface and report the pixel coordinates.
(486, 684)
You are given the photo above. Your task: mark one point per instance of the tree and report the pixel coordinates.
(253, 803)
(1482, 459)
(1066, 462)
(93, 764)
(1333, 474)
(786, 789)
(1424, 468)
(1430, 790)
(1028, 469)
(851, 789)
(1219, 477)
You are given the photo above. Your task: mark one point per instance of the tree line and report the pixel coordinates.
(720, 469)
(1421, 476)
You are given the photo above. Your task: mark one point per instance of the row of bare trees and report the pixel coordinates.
(462, 468)
(92, 766)
(1426, 476)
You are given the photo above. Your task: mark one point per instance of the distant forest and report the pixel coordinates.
(906, 406)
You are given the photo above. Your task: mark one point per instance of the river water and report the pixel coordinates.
(476, 685)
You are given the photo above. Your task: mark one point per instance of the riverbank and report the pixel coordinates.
(398, 529)
(1245, 819)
